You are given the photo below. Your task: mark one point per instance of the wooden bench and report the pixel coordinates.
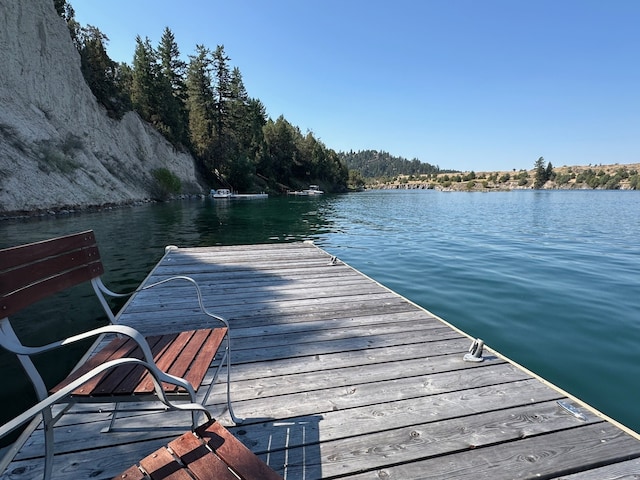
(209, 453)
(166, 368)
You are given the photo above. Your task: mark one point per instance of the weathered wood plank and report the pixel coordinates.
(271, 289)
(258, 353)
(430, 440)
(90, 463)
(309, 402)
(352, 375)
(371, 419)
(299, 300)
(243, 316)
(543, 456)
(402, 320)
(626, 470)
(446, 354)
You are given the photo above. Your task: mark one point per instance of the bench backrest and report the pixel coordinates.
(31, 272)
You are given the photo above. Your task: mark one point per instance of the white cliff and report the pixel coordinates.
(58, 147)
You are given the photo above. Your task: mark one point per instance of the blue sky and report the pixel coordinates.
(464, 84)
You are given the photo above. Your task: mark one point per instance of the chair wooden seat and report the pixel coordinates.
(211, 453)
(185, 354)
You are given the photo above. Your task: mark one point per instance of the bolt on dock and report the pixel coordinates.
(336, 376)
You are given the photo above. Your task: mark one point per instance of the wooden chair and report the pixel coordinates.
(209, 453)
(130, 368)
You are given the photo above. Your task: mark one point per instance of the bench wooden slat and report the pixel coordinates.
(137, 374)
(202, 463)
(235, 454)
(121, 380)
(13, 256)
(29, 273)
(161, 465)
(204, 357)
(36, 272)
(108, 352)
(165, 361)
(106, 383)
(14, 301)
(131, 473)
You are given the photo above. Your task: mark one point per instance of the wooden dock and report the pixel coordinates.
(338, 377)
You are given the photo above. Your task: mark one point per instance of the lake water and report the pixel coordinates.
(548, 278)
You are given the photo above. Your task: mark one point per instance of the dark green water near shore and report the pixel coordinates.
(548, 278)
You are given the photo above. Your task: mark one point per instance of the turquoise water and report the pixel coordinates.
(547, 278)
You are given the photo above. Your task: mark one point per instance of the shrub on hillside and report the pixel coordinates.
(167, 183)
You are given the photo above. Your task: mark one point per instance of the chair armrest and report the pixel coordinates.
(198, 290)
(118, 329)
(68, 389)
(100, 286)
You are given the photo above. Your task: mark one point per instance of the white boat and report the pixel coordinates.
(312, 190)
(223, 193)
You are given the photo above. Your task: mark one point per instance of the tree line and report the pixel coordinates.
(202, 105)
(373, 164)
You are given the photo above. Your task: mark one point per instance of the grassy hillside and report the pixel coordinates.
(612, 177)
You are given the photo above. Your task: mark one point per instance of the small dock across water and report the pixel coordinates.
(338, 377)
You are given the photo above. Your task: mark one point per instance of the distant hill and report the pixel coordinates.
(375, 164)
(576, 177)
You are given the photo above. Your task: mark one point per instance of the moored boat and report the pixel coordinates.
(221, 193)
(224, 193)
(313, 190)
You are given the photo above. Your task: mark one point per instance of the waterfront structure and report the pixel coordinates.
(335, 375)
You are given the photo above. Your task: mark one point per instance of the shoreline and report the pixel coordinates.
(64, 210)
(481, 182)
(577, 177)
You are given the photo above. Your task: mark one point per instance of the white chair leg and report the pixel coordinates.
(235, 419)
(48, 422)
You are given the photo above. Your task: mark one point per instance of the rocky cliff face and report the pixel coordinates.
(58, 147)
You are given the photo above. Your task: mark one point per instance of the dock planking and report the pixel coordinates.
(338, 377)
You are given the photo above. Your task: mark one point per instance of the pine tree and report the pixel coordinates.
(222, 87)
(94, 62)
(100, 72)
(240, 155)
(222, 145)
(172, 70)
(280, 147)
(540, 174)
(200, 105)
(549, 173)
(144, 88)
